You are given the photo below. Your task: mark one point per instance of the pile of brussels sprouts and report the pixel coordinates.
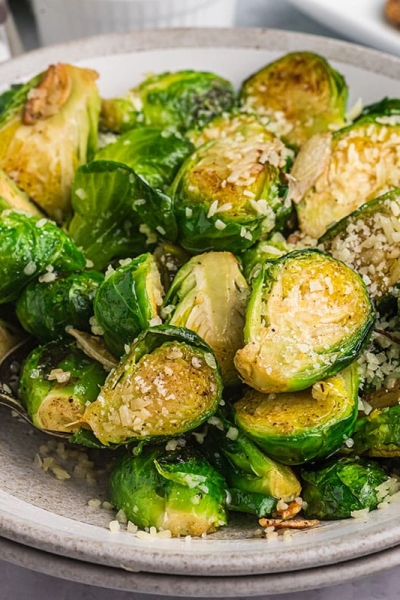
(209, 280)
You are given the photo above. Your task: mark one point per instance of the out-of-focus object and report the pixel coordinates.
(63, 20)
(10, 42)
(392, 11)
(361, 20)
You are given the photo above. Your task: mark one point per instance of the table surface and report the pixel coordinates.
(21, 584)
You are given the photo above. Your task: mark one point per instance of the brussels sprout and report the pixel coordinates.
(154, 154)
(12, 197)
(358, 164)
(209, 296)
(168, 384)
(267, 250)
(29, 247)
(170, 258)
(297, 427)
(251, 502)
(378, 434)
(114, 209)
(46, 309)
(57, 382)
(308, 317)
(176, 491)
(231, 191)
(181, 99)
(341, 487)
(388, 107)
(298, 95)
(245, 466)
(367, 240)
(127, 301)
(47, 129)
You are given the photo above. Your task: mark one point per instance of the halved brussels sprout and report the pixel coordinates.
(298, 427)
(127, 301)
(154, 154)
(181, 99)
(342, 486)
(308, 317)
(116, 213)
(209, 296)
(12, 197)
(168, 384)
(359, 163)
(298, 95)
(266, 250)
(56, 384)
(245, 466)
(176, 491)
(378, 434)
(47, 129)
(46, 309)
(29, 247)
(231, 191)
(369, 241)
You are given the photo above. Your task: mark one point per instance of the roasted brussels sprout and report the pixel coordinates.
(209, 296)
(231, 191)
(245, 466)
(308, 317)
(378, 434)
(267, 250)
(128, 301)
(154, 154)
(175, 490)
(56, 384)
(47, 129)
(299, 427)
(168, 384)
(341, 487)
(341, 172)
(182, 99)
(117, 214)
(29, 247)
(47, 309)
(368, 241)
(252, 503)
(298, 95)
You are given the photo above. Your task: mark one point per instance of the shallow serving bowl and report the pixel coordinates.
(37, 510)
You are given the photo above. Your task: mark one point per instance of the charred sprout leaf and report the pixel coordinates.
(368, 241)
(209, 296)
(267, 250)
(170, 258)
(245, 466)
(127, 302)
(57, 382)
(114, 209)
(182, 99)
(297, 427)
(298, 95)
(341, 487)
(12, 197)
(308, 317)
(94, 347)
(29, 247)
(349, 177)
(231, 191)
(47, 309)
(154, 154)
(168, 384)
(176, 491)
(378, 434)
(48, 129)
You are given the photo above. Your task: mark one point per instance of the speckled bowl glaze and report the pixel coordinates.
(53, 516)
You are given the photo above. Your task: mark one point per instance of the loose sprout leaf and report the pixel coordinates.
(308, 317)
(298, 95)
(294, 428)
(154, 154)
